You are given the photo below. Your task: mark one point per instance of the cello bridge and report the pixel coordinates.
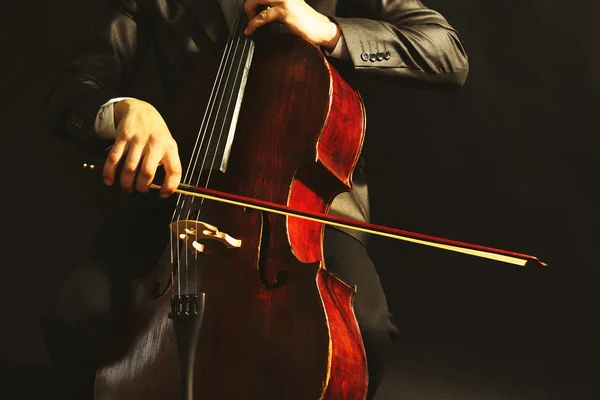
(192, 232)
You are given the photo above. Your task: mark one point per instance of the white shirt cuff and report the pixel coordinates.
(104, 125)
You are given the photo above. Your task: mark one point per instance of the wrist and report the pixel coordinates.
(121, 108)
(331, 35)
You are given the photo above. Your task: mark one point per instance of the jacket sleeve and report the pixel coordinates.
(114, 49)
(407, 42)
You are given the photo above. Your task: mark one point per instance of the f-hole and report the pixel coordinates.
(282, 276)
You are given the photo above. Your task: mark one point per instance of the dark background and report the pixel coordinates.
(510, 161)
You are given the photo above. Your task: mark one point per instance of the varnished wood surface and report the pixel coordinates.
(277, 324)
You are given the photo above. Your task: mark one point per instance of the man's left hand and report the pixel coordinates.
(299, 18)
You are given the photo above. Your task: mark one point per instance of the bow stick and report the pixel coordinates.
(432, 241)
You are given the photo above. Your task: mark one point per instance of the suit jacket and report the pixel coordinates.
(399, 40)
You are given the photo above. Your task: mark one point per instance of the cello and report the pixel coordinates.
(242, 305)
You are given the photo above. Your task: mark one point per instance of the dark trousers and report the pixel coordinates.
(88, 303)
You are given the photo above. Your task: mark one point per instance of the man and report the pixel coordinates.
(398, 40)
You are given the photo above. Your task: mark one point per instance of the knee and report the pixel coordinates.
(84, 296)
(378, 331)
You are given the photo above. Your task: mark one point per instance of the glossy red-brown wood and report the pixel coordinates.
(298, 138)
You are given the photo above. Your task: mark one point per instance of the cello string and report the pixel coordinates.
(237, 29)
(223, 90)
(227, 55)
(234, 55)
(223, 82)
(220, 86)
(182, 201)
(228, 80)
(222, 94)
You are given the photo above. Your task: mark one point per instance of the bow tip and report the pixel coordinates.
(534, 262)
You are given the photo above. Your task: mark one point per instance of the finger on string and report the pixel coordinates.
(265, 17)
(250, 6)
(130, 166)
(112, 161)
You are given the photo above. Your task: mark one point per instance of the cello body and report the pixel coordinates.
(276, 324)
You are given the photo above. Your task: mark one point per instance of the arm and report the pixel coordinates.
(112, 54)
(407, 42)
(114, 49)
(398, 39)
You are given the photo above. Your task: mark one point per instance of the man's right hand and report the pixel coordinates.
(143, 142)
